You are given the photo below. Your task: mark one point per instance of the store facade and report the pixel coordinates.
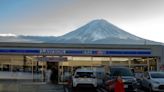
(37, 58)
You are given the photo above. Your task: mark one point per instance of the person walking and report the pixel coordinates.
(48, 75)
(119, 85)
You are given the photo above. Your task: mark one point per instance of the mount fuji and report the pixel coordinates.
(95, 32)
(101, 32)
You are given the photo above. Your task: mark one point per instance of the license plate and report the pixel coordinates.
(81, 79)
(125, 86)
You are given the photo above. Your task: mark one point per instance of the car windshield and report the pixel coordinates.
(84, 74)
(157, 75)
(121, 71)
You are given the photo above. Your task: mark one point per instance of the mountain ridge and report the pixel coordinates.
(95, 32)
(103, 32)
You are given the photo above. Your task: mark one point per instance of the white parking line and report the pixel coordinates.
(98, 90)
(101, 90)
(66, 89)
(104, 90)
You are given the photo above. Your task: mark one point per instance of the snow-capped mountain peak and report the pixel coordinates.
(98, 30)
(95, 32)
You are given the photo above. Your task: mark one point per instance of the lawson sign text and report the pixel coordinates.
(44, 51)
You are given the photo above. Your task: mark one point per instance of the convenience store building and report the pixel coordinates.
(36, 58)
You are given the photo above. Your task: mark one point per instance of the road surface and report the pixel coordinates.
(89, 90)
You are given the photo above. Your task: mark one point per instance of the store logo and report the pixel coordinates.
(88, 52)
(99, 52)
(51, 51)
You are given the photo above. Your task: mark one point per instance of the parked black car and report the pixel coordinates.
(129, 80)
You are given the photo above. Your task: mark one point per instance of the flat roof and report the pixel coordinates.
(82, 46)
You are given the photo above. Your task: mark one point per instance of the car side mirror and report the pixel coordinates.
(76, 76)
(94, 77)
(148, 77)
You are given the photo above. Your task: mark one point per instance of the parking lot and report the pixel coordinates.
(67, 89)
(28, 86)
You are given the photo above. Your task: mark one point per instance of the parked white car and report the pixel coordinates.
(154, 81)
(84, 78)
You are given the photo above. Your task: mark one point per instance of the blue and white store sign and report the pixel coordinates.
(47, 51)
(19, 51)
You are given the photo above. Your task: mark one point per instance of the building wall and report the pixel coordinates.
(156, 50)
(162, 58)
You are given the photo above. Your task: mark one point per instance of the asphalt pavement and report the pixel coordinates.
(28, 86)
(68, 89)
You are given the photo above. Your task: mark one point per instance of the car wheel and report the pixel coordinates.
(74, 89)
(150, 89)
(141, 86)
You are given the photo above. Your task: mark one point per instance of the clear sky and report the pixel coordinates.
(143, 18)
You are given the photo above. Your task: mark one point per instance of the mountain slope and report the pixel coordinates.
(101, 32)
(94, 32)
(99, 29)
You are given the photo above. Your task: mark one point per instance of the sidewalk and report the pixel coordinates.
(27, 86)
(19, 75)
